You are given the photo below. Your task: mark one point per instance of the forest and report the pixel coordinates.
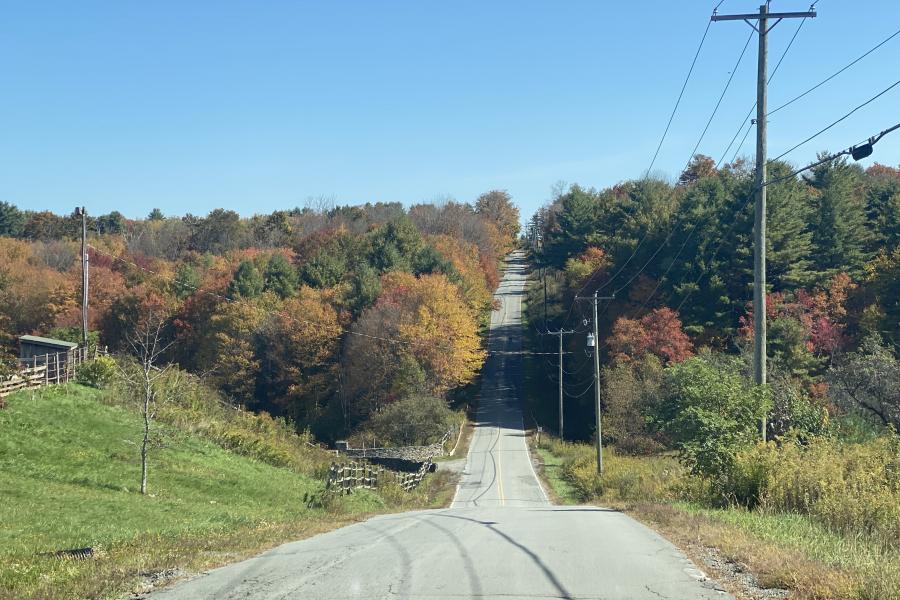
(678, 259)
(324, 316)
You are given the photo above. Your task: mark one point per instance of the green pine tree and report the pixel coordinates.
(12, 220)
(789, 244)
(281, 277)
(247, 282)
(840, 234)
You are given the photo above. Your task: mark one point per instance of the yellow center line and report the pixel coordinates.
(499, 466)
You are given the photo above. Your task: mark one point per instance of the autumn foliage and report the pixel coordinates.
(658, 333)
(325, 316)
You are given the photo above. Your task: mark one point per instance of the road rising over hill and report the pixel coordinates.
(501, 538)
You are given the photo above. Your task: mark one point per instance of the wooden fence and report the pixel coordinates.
(344, 478)
(46, 369)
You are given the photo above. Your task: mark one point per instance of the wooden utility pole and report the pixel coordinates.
(759, 222)
(84, 277)
(596, 340)
(560, 333)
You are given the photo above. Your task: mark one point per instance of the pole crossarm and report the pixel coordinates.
(755, 16)
(750, 17)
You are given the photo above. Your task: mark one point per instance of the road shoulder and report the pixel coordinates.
(676, 526)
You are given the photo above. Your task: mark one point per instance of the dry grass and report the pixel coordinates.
(783, 549)
(775, 565)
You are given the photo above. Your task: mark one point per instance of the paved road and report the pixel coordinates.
(499, 539)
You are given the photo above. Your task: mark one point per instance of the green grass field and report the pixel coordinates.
(69, 475)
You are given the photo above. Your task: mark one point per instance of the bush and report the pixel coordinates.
(414, 421)
(97, 373)
(711, 413)
(630, 394)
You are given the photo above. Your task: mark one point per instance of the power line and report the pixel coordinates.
(798, 97)
(721, 97)
(741, 145)
(681, 93)
(752, 108)
(656, 154)
(693, 152)
(836, 73)
(826, 128)
(849, 151)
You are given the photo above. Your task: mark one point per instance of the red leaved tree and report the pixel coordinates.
(659, 333)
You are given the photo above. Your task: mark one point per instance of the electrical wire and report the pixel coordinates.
(719, 103)
(653, 161)
(681, 93)
(826, 128)
(752, 108)
(836, 73)
(672, 230)
(675, 227)
(804, 94)
(872, 140)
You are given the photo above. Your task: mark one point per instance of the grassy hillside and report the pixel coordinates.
(69, 475)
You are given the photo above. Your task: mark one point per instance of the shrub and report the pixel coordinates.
(711, 413)
(97, 373)
(199, 409)
(868, 381)
(630, 394)
(414, 421)
(793, 411)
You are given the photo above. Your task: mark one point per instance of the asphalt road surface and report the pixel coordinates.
(501, 538)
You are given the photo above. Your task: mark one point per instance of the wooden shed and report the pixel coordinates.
(60, 357)
(33, 347)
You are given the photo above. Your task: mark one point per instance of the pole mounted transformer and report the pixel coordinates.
(592, 342)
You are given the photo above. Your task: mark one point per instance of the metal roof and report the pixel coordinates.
(34, 339)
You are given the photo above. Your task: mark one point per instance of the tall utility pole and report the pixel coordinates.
(759, 221)
(560, 333)
(84, 277)
(596, 299)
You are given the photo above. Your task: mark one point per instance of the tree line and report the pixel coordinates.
(679, 258)
(325, 315)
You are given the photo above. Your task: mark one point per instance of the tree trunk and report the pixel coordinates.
(146, 441)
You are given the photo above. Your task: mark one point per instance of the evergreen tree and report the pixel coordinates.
(883, 205)
(839, 231)
(395, 245)
(12, 220)
(788, 240)
(281, 277)
(571, 232)
(247, 282)
(187, 280)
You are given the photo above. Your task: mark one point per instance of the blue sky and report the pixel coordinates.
(257, 106)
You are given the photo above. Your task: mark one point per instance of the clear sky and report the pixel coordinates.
(259, 105)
